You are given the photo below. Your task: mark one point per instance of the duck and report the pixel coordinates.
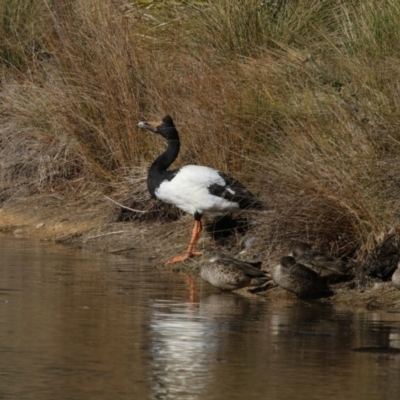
(227, 273)
(396, 277)
(197, 190)
(299, 279)
(325, 265)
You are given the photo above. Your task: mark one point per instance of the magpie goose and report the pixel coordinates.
(195, 189)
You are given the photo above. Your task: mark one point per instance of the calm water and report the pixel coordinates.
(78, 325)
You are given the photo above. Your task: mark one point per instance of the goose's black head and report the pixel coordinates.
(165, 128)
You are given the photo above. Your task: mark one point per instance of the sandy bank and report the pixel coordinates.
(90, 223)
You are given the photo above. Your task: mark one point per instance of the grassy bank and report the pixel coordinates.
(297, 99)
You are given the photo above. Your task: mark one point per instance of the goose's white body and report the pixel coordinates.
(189, 191)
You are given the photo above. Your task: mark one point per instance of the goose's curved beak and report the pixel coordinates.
(147, 125)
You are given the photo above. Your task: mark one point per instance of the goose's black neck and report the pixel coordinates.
(163, 161)
(158, 171)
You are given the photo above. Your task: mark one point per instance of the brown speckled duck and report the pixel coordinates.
(325, 265)
(298, 279)
(228, 273)
(396, 277)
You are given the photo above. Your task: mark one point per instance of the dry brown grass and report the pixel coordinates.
(299, 100)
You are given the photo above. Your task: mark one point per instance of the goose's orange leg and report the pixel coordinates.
(191, 251)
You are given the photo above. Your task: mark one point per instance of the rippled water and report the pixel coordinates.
(78, 325)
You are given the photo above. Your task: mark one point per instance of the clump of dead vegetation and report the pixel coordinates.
(297, 99)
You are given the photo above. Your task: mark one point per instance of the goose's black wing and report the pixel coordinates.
(236, 192)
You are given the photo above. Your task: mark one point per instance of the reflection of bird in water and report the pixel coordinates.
(323, 264)
(181, 345)
(226, 306)
(228, 273)
(396, 277)
(394, 339)
(195, 189)
(298, 279)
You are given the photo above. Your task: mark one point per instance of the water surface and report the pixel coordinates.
(79, 325)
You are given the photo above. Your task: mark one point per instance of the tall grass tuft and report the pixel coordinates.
(248, 27)
(298, 99)
(23, 26)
